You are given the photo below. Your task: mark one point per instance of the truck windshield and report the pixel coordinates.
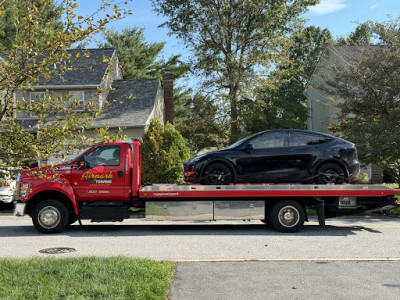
(74, 157)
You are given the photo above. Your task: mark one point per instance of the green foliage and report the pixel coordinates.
(163, 152)
(10, 15)
(40, 37)
(280, 101)
(361, 179)
(233, 41)
(368, 93)
(362, 35)
(85, 278)
(196, 118)
(138, 58)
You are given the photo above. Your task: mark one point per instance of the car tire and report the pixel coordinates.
(329, 173)
(217, 174)
(50, 216)
(287, 216)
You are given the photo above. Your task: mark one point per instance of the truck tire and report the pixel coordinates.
(72, 218)
(50, 216)
(287, 216)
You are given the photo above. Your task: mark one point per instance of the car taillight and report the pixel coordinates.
(189, 168)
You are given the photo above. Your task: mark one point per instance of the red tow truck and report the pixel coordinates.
(103, 184)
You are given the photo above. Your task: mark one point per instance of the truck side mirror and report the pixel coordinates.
(82, 164)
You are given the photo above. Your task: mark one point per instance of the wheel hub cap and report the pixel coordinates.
(49, 217)
(289, 216)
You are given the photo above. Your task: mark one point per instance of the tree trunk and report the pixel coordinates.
(233, 92)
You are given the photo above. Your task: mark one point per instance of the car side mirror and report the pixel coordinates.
(247, 148)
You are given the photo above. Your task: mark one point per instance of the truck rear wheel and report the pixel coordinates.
(287, 216)
(50, 216)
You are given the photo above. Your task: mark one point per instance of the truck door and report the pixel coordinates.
(100, 175)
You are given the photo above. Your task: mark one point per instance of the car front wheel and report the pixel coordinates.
(217, 174)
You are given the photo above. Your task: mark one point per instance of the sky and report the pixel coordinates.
(341, 17)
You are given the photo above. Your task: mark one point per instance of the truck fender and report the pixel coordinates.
(60, 185)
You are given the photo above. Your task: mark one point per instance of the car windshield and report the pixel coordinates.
(238, 143)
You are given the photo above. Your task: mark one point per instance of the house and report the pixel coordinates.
(95, 76)
(322, 110)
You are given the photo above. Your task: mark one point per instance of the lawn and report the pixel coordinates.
(85, 278)
(395, 211)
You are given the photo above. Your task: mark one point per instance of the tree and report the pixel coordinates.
(362, 35)
(140, 59)
(367, 91)
(197, 121)
(280, 102)
(39, 50)
(232, 40)
(163, 152)
(9, 17)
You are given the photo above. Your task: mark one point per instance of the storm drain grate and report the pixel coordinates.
(58, 250)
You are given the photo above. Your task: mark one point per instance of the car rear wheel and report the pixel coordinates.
(217, 174)
(329, 173)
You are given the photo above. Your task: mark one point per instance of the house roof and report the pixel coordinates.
(88, 67)
(131, 103)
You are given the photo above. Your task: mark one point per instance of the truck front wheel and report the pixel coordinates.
(287, 216)
(50, 216)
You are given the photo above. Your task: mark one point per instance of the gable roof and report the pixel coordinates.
(131, 103)
(88, 67)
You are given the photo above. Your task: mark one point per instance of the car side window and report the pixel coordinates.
(268, 140)
(306, 139)
(103, 156)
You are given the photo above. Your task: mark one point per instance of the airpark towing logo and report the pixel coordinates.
(98, 178)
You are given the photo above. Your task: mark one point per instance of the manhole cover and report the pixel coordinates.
(58, 250)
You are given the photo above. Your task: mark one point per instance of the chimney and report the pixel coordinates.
(169, 97)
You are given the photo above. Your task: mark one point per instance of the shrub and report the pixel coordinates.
(163, 152)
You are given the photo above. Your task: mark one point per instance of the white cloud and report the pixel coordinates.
(328, 6)
(373, 6)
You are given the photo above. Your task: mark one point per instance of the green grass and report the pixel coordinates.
(85, 278)
(395, 211)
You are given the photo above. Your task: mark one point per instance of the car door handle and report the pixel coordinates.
(120, 174)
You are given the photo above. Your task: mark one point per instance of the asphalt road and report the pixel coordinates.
(352, 258)
(184, 241)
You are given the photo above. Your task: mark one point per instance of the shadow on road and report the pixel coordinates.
(95, 230)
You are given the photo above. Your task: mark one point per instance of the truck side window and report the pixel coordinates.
(103, 156)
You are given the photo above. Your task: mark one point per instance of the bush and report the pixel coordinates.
(361, 179)
(163, 152)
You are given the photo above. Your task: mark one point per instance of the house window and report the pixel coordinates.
(36, 96)
(76, 100)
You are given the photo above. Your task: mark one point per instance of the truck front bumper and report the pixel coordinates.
(19, 209)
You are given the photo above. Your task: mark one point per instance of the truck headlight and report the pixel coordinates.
(24, 190)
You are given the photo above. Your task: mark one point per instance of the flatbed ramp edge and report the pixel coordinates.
(171, 191)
